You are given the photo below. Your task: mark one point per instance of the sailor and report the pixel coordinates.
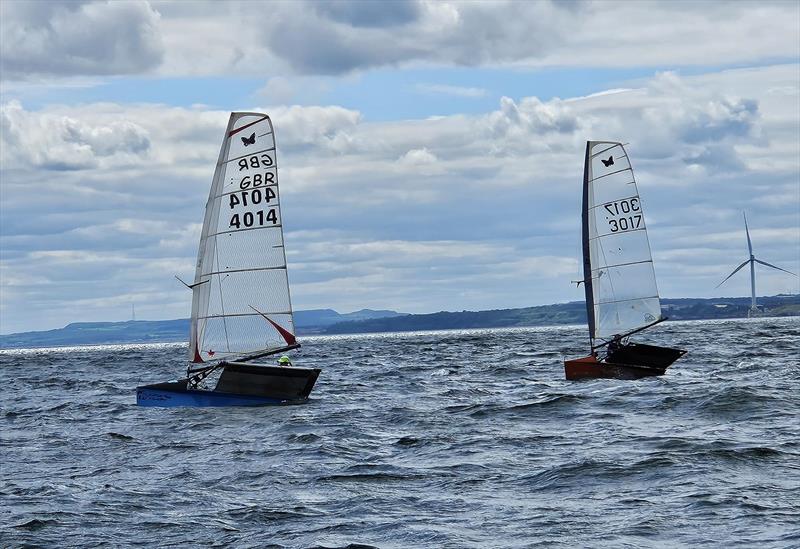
(614, 344)
(284, 361)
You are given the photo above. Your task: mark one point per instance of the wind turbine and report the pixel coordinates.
(752, 261)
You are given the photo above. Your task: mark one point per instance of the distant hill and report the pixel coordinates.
(163, 331)
(316, 320)
(100, 333)
(328, 321)
(566, 313)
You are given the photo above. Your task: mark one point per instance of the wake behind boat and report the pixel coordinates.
(618, 275)
(241, 307)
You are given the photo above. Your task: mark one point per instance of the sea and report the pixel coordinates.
(425, 439)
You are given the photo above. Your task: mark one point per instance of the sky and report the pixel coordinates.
(430, 152)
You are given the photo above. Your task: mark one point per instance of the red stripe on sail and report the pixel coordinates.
(237, 130)
(197, 358)
(287, 335)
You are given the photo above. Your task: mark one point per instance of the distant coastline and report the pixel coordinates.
(328, 321)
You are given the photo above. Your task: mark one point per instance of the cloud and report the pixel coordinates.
(481, 211)
(531, 116)
(418, 157)
(64, 38)
(334, 38)
(458, 91)
(54, 142)
(389, 13)
(331, 39)
(67, 39)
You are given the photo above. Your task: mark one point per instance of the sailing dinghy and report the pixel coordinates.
(618, 276)
(241, 308)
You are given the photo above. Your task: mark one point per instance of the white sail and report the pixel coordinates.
(241, 302)
(618, 267)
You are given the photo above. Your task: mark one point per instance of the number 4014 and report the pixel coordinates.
(249, 219)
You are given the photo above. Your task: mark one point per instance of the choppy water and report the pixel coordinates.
(448, 439)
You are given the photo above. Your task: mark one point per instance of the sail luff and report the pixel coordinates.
(200, 290)
(587, 263)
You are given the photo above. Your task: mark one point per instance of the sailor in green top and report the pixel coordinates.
(284, 361)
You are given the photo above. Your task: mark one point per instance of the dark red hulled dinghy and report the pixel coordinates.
(618, 276)
(241, 309)
(630, 361)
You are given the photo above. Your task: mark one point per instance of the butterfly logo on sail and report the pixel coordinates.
(249, 140)
(606, 163)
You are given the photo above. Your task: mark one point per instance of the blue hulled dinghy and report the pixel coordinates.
(241, 307)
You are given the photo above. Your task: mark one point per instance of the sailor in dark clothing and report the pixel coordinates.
(614, 345)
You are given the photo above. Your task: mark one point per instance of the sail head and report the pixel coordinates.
(241, 303)
(621, 289)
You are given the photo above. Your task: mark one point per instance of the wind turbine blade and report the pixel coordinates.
(747, 231)
(773, 266)
(736, 270)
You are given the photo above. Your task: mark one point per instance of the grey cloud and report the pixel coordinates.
(722, 118)
(339, 38)
(716, 158)
(517, 124)
(314, 46)
(78, 38)
(500, 32)
(358, 13)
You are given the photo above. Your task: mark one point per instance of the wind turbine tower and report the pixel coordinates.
(752, 261)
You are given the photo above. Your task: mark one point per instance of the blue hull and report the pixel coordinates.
(239, 384)
(165, 398)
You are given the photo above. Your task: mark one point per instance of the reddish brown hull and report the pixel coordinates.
(591, 368)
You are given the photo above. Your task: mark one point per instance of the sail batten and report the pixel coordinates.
(241, 250)
(610, 174)
(620, 285)
(245, 314)
(599, 236)
(250, 153)
(598, 153)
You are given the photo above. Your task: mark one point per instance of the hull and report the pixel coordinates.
(633, 361)
(239, 385)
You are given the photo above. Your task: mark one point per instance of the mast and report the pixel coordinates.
(587, 263)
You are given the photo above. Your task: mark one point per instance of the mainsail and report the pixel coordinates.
(621, 292)
(241, 304)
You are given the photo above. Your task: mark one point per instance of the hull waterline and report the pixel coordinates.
(591, 368)
(634, 361)
(239, 385)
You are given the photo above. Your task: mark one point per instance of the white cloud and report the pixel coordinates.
(78, 38)
(481, 211)
(59, 142)
(418, 156)
(273, 39)
(458, 91)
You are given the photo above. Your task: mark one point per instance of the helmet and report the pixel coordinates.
(284, 360)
